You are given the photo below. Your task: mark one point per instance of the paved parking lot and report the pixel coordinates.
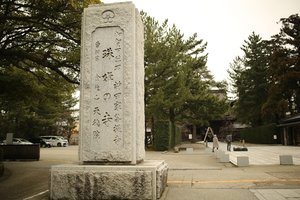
(192, 175)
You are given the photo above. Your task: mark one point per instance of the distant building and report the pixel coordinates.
(290, 130)
(220, 93)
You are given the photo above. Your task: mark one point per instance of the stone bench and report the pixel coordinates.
(189, 150)
(242, 161)
(219, 153)
(286, 159)
(224, 158)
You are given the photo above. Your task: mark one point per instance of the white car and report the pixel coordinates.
(56, 141)
(19, 141)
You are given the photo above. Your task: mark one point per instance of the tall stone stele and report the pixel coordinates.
(112, 80)
(111, 153)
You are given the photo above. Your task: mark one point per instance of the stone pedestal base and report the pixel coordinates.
(143, 181)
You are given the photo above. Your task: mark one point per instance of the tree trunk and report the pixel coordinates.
(172, 127)
(152, 130)
(194, 133)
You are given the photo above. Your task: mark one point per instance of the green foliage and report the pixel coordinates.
(169, 60)
(266, 78)
(202, 108)
(39, 58)
(176, 77)
(250, 80)
(42, 35)
(260, 135)
(284, 70)
(30, 108)
(161, 135)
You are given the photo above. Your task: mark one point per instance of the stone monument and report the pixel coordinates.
(111, 152)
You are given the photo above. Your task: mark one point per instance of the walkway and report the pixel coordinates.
(264, 179)
(262, 154)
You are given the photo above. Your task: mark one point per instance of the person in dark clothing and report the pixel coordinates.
(228, 141)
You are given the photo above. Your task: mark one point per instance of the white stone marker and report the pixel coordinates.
(224, 158)
(112, 85)
(111, 151)
(286, 159)
(189, 150)
(242, 161)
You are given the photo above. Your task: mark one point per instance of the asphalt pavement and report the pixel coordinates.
(194, 173)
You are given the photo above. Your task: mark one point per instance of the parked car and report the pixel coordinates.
(56, 141)
(40, 141)
(19, 141)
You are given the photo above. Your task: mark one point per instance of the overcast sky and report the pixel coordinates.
(223, 24)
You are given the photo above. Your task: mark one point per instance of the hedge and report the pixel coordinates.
(260, 135)
(162, 135)
(1, 164)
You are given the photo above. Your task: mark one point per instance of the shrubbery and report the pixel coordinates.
(162, 136)
(1, 164)
(260, 135)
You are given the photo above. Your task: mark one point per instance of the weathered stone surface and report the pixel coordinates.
(161, 179)
(112, 85)
(286, 159)
(189, 150)
(242, 161)
(224, 158)
(143, 181)
(219, 153)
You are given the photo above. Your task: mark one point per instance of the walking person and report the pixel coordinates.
(215, 143)
(228, 141)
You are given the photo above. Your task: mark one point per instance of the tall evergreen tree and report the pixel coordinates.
(267, 83)
(249, 78)
(176, 76)
(284, 70)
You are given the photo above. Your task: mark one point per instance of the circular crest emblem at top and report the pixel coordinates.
(108, 16)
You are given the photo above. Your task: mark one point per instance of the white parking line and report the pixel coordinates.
(41, 193)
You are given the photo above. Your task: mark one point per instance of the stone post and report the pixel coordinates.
(9, 138)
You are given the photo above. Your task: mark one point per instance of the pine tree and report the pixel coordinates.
(249, 78)
(176, 76)
(31, 108)
(284, 70)
(42, 34)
